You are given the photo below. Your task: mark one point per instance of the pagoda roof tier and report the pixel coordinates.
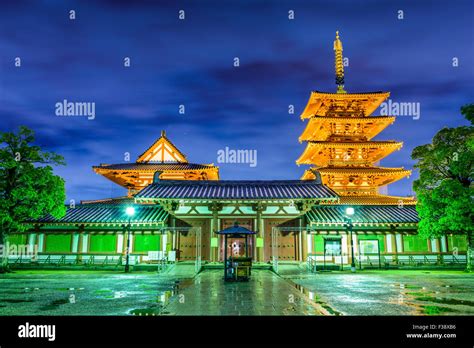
(323, 153)
(343, 104)
(364, 171)
(360, 180)
(321, 128)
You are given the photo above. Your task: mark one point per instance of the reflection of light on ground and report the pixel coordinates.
(352, 299)
(119, 294)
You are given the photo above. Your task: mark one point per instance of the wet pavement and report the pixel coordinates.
(389, 292)
(81, 292)
(174, 292)
(295, 292)
(264, 294)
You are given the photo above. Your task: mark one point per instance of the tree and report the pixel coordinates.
(28, 187)
(444, 189)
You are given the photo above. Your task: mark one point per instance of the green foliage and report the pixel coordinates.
(28, 187)
(468, 112)
(444, 188)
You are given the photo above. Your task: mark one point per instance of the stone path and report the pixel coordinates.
(264, 294)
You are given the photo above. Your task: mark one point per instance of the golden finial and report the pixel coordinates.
(339, 64)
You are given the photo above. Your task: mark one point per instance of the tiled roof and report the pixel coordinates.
(366, 214)
(258, 190)
(154, 166)
(114, 200)
(356, 144)
(349, 95)
(363, 170)
(96, 213)
(377, 200)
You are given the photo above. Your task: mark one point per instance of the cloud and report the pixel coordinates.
(190, 63)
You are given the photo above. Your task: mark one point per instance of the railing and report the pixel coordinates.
(162, 264)
(311, 264)
(315, 262)
(68, 259)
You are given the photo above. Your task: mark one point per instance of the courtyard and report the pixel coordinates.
(181, 292)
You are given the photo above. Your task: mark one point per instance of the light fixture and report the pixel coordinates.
(130, 211)
(349, 211)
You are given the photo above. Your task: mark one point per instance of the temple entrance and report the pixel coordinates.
(236, 246)
(187, 245)
(284, 240)
(187, 242)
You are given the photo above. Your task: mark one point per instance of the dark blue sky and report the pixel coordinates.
(190, 62)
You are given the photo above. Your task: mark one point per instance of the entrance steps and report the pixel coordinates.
(220, 265)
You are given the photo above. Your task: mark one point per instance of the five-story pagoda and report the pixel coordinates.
(340, 146)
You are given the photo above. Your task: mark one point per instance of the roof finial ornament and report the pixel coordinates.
(163, 133)
(339, 64)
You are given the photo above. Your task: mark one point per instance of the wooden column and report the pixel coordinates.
(215, 208)
(258, 209)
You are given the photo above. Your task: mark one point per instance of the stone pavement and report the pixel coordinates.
(82, 293)
(388, 292)
(264, 294)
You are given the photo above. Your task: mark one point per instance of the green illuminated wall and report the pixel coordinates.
(147, 242)
(318, 244)
(380, 238)
(17, 239)
(456, 241)
(102, 243)
(58, 243)
(415, 243)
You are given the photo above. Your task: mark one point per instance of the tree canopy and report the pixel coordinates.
(28, 187)
(444, 189)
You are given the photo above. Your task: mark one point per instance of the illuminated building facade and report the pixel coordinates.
(294, 220)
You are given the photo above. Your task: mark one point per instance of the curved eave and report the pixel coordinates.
(358, 171)
(391, 175)
(316, 98)
(310, 154)
(364, 144)
(98, 169)
(315, 129)
(305, 157)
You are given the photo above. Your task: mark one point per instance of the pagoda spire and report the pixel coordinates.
(339, 64)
